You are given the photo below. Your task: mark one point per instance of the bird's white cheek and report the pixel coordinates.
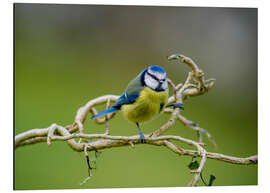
(150, 82)
(165, 85)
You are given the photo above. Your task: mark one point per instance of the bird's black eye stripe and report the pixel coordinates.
(153, 76)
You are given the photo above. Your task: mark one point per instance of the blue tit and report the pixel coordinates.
(144, 97)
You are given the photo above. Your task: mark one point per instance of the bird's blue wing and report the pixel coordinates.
(125, 99)
(122, 100)
(132, 92)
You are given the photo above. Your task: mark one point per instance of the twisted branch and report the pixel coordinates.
(194, 85)
(108, 141)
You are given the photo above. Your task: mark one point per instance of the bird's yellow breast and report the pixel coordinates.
(146, 106)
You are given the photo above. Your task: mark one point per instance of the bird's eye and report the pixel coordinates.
(162, 80)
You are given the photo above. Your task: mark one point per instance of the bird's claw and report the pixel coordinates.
(142, 139)
(176, 105)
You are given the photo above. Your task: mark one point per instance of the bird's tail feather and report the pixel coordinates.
(110, 110)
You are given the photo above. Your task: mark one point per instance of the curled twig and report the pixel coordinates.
(107, 118)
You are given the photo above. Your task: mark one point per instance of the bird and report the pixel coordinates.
(145, 96)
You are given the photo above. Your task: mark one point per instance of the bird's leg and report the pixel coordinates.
(176, 105)
(142, 140)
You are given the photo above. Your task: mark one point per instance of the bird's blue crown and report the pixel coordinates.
(157, 69)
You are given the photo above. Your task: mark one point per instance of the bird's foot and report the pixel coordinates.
(176, 105)
(142, 139)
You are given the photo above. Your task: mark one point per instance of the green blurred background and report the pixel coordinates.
(66, 55)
